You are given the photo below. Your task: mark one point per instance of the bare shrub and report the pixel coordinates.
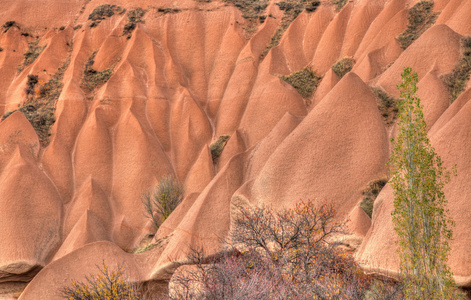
(107, 284)
(284, 254)
(161, 200)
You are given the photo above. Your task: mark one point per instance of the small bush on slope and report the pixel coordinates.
(421, 17)
(284, 254)
(134, 16)
(387, 105)
(161, 200)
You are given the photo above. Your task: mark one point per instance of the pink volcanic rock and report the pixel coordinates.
(423, 56)
(30, 209)
(310, 163)
(179, 82)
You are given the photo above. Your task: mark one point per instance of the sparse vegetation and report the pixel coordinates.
(39, 107)
(370, 194)
(284, 254)
(134, 16)
(340, 4)
(8, 25)
(217, 147)
(102, 12)
(304, 81)
(291, 9)
(421, 17)
(387, 105)
(456, 80)
(343, 66)
(34, 50)
(107, 284)
(168, 10)
(161, 200)
(93, 78)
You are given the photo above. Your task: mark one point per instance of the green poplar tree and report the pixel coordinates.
(420, 217)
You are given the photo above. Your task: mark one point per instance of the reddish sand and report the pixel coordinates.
(179, 82)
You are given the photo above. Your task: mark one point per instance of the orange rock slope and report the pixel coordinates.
(138, 99)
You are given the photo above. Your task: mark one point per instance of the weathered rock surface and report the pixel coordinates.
(179, 80)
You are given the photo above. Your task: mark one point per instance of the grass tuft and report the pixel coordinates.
(457, 79)
(93, 78)
(421, 17)
(217, 147)
(343, 66)
(304, 81)
(370, 194)
(387, 105)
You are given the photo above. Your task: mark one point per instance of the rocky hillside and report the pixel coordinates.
(101, 99)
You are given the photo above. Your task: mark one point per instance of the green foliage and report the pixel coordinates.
(106, 285)
(102, 12)
(421, 17)
(456, 80)
(39, 107)
(370, 194)
(134, 16)
(161, 200)
(420, 216)
(34, 50)
(93, 78)
(340, 4)
(217, 147)
(343, 66)
(387, 105)
(291, 9)
(304, 81)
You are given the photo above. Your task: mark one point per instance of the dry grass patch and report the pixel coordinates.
(93, 78)
(340, 4)
(421, 17)
(456, 80)
(304, 81)
(134, 16)
(39, 107)
(34, 50)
